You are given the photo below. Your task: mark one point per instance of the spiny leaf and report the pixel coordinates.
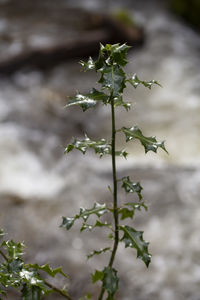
(110, 280)
(86, 226)
(126, 213)
(97, 252)
(100, 147)
(121, 153)
(46, 268)
(15, 265)
(89, 100)
(118, 101)
(100, 62)
(98, 275)
(101, 224)
(98, 210)
(85, 102)
(31, 277)
(131, 187)
(89, 65)
(97, 224)
(113, 79)
(15, 250)
(116, 53)
(119, 53)
(99, 96)
(135, 81)
(134, 239)
(136, 205)
(129, 213)
(67, 222)
(149, 143)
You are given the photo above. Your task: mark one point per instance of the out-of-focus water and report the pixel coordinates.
(38, 183)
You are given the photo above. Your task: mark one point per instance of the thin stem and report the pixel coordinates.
(57, 290)
(4, 256)
(62, 293)
(115, 207)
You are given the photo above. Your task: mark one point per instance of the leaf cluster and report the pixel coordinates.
(113, 80)
(26, 278)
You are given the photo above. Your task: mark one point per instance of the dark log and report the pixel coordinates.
(107, 30)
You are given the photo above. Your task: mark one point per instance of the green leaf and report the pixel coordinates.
(136, 205)
(2, 292)
(98, 275)
(149, 143)
(115, 54)
(113, 79)
(100, 147)
(129, 213)
(110, 280)
(119, 53)
(100, 224)
(15, 250)
(110, 236)
(100, 62)
(126, 213)
(31, 277)
(46, 268)
(86, 226)
(99, 96)
(97, 209)
(97, 224)
(89, 100)
(31, 292)
(85, 102)
(97, 252)
(118, 101)
(131, 187)
(89, 65)
(134, 239)
(135, 81)
(121, 153)
(15, 266)
(67, 222)
(86, 297)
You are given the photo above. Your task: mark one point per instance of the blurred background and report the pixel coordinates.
(41, 43)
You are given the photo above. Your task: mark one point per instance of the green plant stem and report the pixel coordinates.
(115, 207)
(62, 293)
(4, 256)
